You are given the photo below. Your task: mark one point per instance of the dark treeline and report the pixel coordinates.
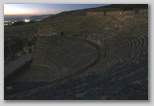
(10, 48)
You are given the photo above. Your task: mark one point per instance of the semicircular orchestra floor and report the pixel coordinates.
(63, 58)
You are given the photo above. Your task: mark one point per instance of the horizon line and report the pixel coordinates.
(25, 15)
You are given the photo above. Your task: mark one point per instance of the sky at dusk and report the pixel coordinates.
(40, 9)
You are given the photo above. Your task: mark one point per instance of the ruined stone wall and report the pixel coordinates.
(143, 11)
(127, 12)
(47, 31)
(112, 13)
(115, 13)
(94, 13)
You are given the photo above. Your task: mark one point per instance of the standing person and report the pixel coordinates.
(104, 48)
(62, 33)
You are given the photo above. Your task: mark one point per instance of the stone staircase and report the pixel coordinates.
(40, 50)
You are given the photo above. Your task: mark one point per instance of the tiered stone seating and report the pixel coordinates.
(122, 63)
